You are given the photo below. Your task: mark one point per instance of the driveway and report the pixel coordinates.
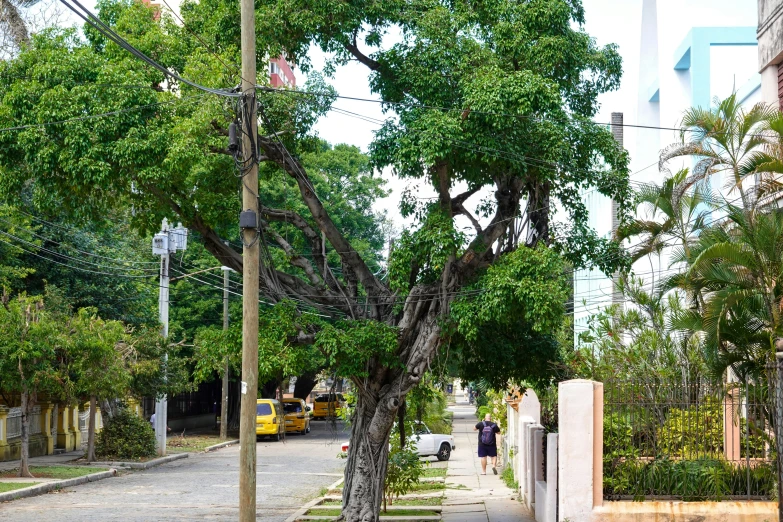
(201, 487)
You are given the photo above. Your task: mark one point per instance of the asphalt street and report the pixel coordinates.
(201, 487)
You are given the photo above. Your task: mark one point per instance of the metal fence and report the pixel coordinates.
(688, 441)
(14, 420)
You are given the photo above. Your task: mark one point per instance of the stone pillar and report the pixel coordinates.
(580, 452)
(551, 478)
(64, 434)
(4, 432)
(46, 426)
(522, 454)
(535, 461)
(731, 425)
(74, 427)
(531, 406)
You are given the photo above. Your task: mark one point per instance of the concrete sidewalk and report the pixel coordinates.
(470, 496)
(46, 460)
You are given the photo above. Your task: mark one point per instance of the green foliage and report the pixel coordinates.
(518, 304)
(690, 480)
(126, 436)
(618, 437)
(404, 468)
(508, 478)
(427, 403)
(95, 362)
(694, 432)
(494, 403)
(348, 345)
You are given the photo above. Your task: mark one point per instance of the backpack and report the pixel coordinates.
(488, 434)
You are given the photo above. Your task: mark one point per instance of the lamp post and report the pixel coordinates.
(164, 243)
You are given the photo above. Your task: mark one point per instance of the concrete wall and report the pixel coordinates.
(686, 511)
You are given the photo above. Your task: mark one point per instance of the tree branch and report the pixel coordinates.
(349, 256)
(352, 48)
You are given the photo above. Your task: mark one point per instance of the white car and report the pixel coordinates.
(428, 444)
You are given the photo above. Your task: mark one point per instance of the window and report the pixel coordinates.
(264, 409)
(292, 407)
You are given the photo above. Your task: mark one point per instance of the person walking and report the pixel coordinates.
(487, 443)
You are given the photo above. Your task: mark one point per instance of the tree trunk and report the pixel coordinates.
(27, 406)
(304, 385)
(401, 422)
(378, 399)
(91, 430)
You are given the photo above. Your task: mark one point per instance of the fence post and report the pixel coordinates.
(731, 425)
(64, 435)
(551, 478)
(535, 461)
(74, 427)
(580, 451)
(46, 426)
(778, 416)
(4, 432)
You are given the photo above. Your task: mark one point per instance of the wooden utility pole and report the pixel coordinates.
(224, 394)
(250, 260)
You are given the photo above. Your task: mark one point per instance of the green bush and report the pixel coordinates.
(618, 437)
(695, 432)
(126, 436)
(404, 468)
(690, 480)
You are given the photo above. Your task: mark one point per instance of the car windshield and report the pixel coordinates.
(292, 407)
(264, 409)
(329, 398)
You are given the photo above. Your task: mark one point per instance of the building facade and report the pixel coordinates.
(680, 66)
(770, 51)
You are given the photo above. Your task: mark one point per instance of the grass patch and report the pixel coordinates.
(428, 486)
(434, 501)
(390, 512)
(434, 472)
(54, 472)
(508, 478)
(186, 443)
(10, 486)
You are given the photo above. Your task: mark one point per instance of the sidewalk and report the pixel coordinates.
(470, 496)
(46, 460)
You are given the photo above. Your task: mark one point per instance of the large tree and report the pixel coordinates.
(495, 95)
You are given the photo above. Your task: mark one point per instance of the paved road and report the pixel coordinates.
(201, 487)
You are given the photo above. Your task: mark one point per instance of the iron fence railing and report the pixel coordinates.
(688, 441)
(14, 420)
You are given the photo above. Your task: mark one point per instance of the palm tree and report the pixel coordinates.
(739, 266)
(727, 139)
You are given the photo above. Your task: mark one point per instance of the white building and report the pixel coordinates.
(690, 51)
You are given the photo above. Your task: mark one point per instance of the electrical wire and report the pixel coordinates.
(101, 115)
(86, 15)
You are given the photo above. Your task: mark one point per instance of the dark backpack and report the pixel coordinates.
(488, 434)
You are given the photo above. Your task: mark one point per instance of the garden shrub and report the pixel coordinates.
(126, 436)
(695, 432)
(618, 437)
(404, 468)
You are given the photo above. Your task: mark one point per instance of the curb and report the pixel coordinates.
(148, 464)
(40, 489)
(220, 445)
(302, 510)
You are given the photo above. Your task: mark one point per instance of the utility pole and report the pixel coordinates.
(248, 222)
(617, 133)
(224, 394)
(163, 244)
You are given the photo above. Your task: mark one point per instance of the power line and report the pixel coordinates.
(488, 113)
(109, 33)
(94, 116)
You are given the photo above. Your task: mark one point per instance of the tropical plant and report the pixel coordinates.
(126, 436)
(728, 140)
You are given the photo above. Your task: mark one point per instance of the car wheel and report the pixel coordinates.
(277, 437)
(445, 452)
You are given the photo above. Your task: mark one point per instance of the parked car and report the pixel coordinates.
(427, 444)
(326, 405)
(269, 419)
(297, 416)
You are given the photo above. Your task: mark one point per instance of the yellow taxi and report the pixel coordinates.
(297, 416)
(325, 406)
(269, 419)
